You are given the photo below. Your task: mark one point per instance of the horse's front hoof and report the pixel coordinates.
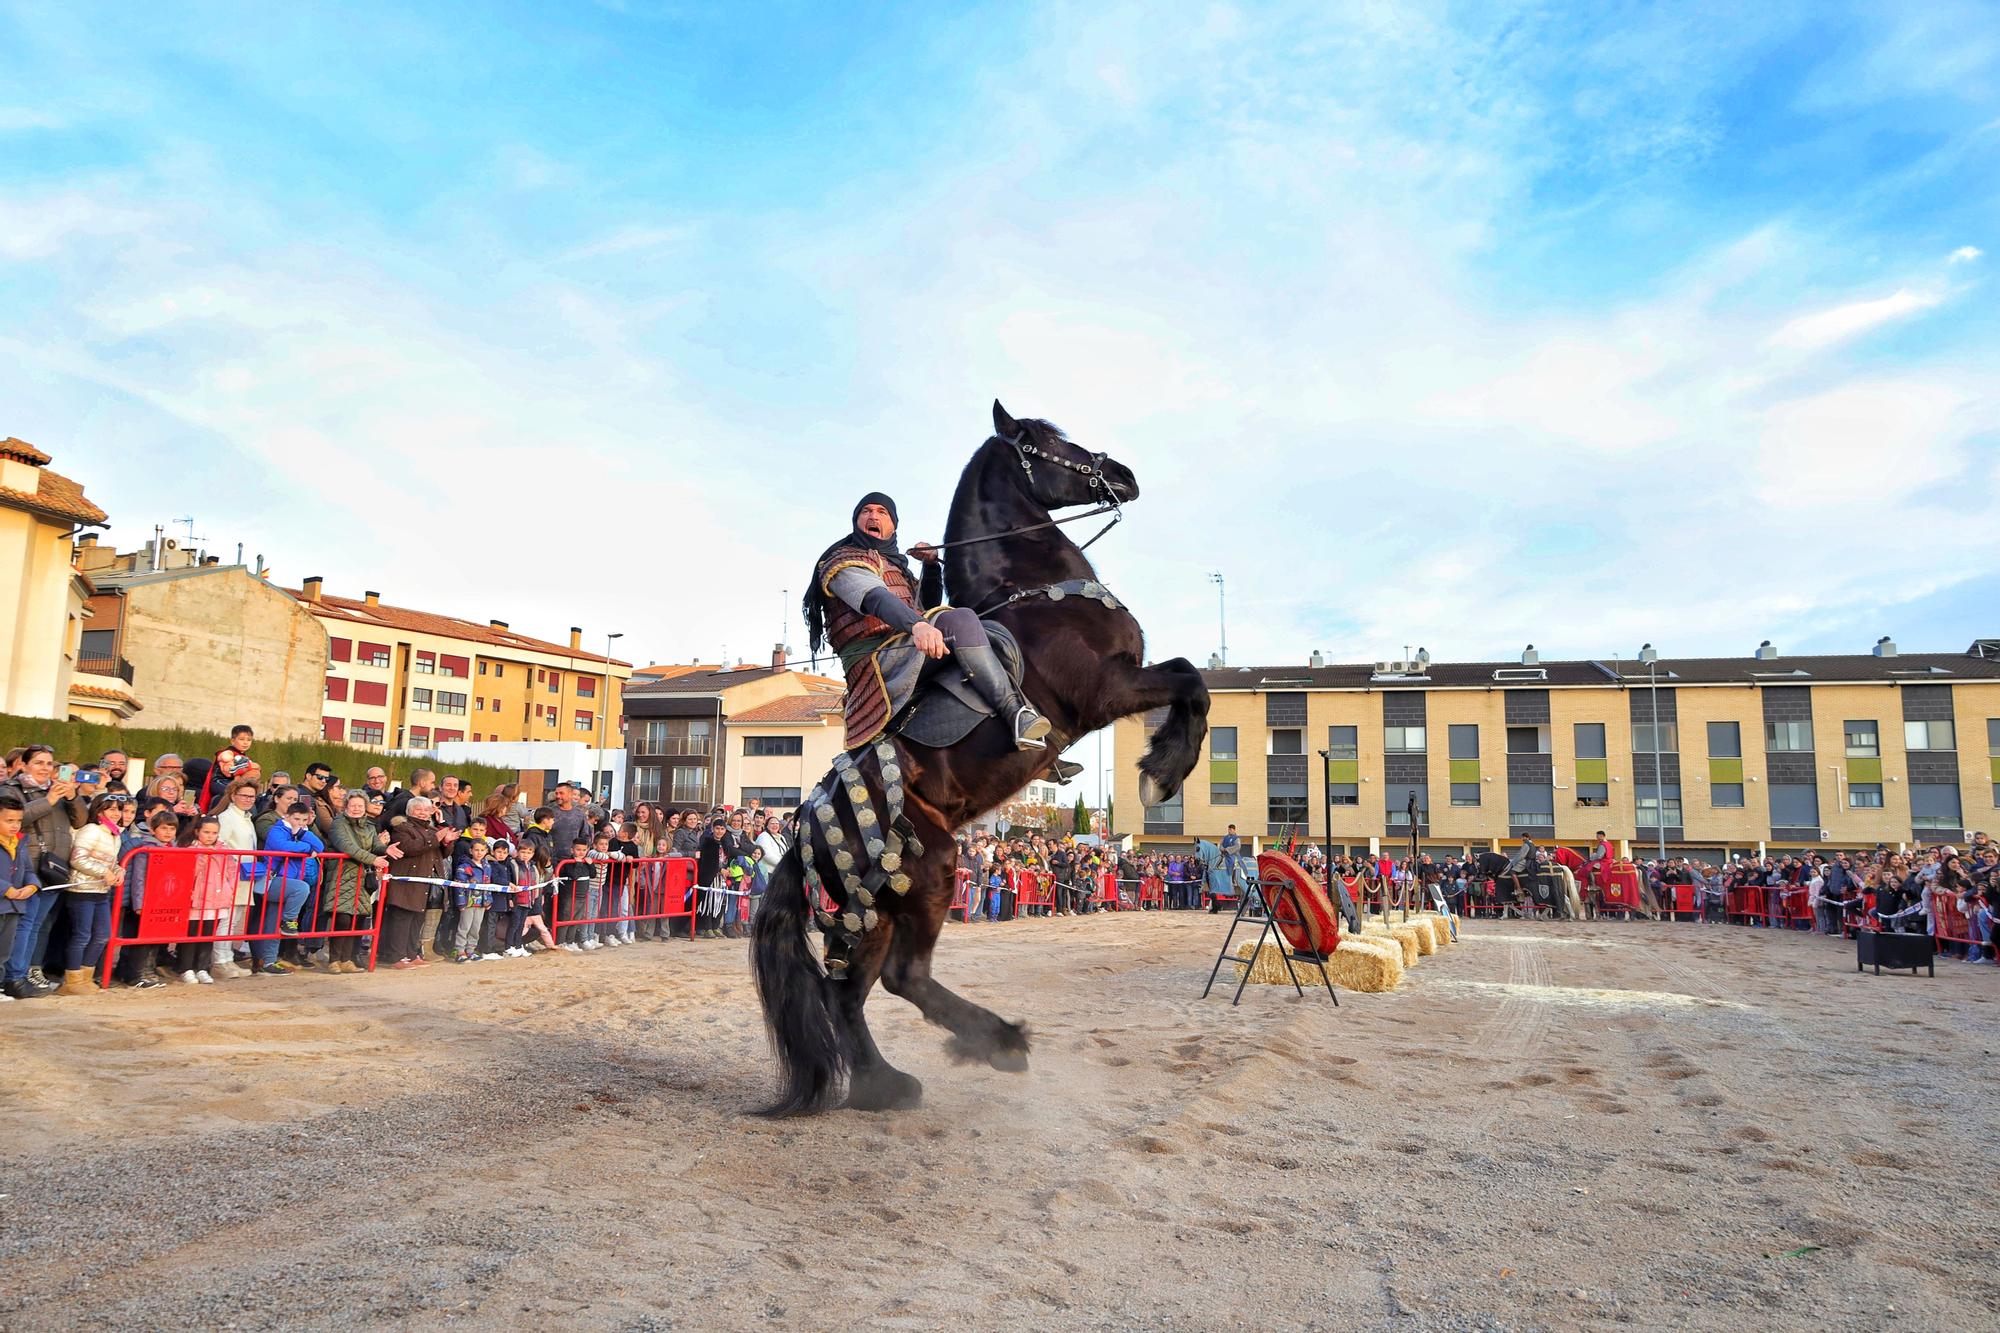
(1009, 1062)
(885, 1090)
(1151, 790)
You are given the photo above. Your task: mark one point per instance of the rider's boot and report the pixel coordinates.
(983, 671)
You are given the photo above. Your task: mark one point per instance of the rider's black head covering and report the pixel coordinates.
(814, 604)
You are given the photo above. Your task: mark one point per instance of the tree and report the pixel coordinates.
(1082, 815)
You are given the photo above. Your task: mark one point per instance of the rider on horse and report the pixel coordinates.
(891, 633)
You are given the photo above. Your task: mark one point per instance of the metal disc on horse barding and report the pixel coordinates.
(844, 859)
(900, 883)
(890, 861)
(1056, 594)
(865, 817)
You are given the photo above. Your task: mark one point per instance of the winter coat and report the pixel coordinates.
(47, 826)
(422, 858)
(93, 859)
(352, 892)
(16, 871)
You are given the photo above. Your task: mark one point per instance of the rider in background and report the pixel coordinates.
(866, 603)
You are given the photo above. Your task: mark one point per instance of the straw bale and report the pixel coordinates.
(1444, 925)
(1405, 936)
(1357, 965)
(1426, 934)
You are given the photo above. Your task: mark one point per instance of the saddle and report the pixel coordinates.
(946, 708)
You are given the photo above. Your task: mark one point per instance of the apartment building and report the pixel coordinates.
(42, 606)
(1714, 754)
(704, 736)
(403, 679)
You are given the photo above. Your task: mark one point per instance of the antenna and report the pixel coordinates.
(784, 615)
(1221, 614)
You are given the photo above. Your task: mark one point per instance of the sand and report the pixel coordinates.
(560, 1142)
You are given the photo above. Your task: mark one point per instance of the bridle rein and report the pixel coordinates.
(1093, 471)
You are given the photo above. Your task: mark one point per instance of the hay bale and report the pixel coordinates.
(1426, 934)
(1370, 965)
(1445, 925)
(1404, 936)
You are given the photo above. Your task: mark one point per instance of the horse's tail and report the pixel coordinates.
(806, 1032)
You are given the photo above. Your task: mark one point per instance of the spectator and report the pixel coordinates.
(113, 765)
(471, 879)
(53, 810)
(351, 899)
(422, 783)
(87, 901)
(571, 820)
(289, 883)
(529, 896)
(17, 880)
(574, 878)
(415, 834)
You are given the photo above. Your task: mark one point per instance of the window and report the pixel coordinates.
(1396, 798)
(477, 737)
(479, 705)
(340, 650)
(1222, 793)
(447, 702)
(1725, 740)
(336, 689)
(1593, 793)
(1795, 737)
(420, 700)
(645, 785)
(1465, 793)
(1993, 736)
(482, 666)
(651, 739)
(1590, 740)
(1669, 738)
(690, 783)
(1462, 741)
(774, 798)
(1928, 736)
(332, 729)
(460, 667)
(366, 733)
(1222, 743)
(499, 670)
(1403, 740)
(584, 720)
(1935, 804)
(1862, 741)
(555, 682)
(540, 675)
(1288, 740)
(425, 662)
(1342, 743)
(1287, 806)
(443, 737)
(420, 736)
(1650, 804)
(1725, 795)
(96, 643)
(1864, 796)
(586, 687)
(754, 746)
(374, 693)
(1794, 805)
(1344, 793)
(1527, 740)
(374, 654)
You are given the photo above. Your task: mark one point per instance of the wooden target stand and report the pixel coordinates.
(1279, 892)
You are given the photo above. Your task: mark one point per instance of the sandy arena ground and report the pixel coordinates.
(1550, 1126)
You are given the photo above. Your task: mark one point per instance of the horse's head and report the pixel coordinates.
(1059, 473)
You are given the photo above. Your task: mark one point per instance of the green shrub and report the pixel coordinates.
(82, 742)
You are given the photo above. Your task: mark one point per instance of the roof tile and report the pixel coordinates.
(384, 616)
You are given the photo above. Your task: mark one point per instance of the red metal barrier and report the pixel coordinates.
(1153, 893)
(646, 888)
(186, 885)
(1107, 891)
(961, 896)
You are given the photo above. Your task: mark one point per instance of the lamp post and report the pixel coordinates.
(1221, 613)
(604, 717)
(1651, 657)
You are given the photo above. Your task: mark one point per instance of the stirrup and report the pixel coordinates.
(1063, 771)
(1029, 729)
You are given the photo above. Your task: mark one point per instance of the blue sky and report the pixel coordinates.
(1460, 326)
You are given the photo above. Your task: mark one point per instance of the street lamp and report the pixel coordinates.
(604, 718)
(1221, 614)
(1651, 657)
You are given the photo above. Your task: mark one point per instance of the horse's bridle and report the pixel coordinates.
(1093, 470)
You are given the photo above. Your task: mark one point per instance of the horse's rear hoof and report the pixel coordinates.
(885, 1090)
(1009, 1062)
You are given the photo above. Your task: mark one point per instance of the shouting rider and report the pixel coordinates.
(890, 633)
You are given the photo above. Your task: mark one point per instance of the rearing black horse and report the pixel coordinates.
(1082, 668)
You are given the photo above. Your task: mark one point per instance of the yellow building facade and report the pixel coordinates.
(1763, 752)
(42, 602)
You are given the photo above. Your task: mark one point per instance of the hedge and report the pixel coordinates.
(82, 742)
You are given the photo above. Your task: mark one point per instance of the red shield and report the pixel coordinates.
(1298, 905)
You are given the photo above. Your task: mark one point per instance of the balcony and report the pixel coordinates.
(649, 747)
(102, 664)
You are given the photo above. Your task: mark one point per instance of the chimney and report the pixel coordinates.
(87, 540)
(1765, 652)
(777, 657)
(575, 639)
(1885, 647)
(497, 624)
(1529, 657)
(208, 560)
(310, 588)
(372, 598)
(1318, 659)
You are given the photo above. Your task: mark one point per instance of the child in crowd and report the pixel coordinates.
(470, 894)
(500, 902)
(625, 847)
(214, 897)
(528, 874)
(16, 878)
(573, 883)
(232, 763)
(604, 879)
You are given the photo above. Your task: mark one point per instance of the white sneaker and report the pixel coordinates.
(489, 958)
(517, 952)
(204, 978)
(588, 945)
(612, 942)
(189, 979)
(5, 998)
(571, 947)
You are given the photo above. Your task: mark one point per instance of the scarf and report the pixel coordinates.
(814, 604)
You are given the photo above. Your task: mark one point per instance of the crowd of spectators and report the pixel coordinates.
(312, 866)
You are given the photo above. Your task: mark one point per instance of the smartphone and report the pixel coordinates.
(66, 773)
(86, 775)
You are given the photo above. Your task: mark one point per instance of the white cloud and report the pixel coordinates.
(1965, 254)
(1824, 328)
